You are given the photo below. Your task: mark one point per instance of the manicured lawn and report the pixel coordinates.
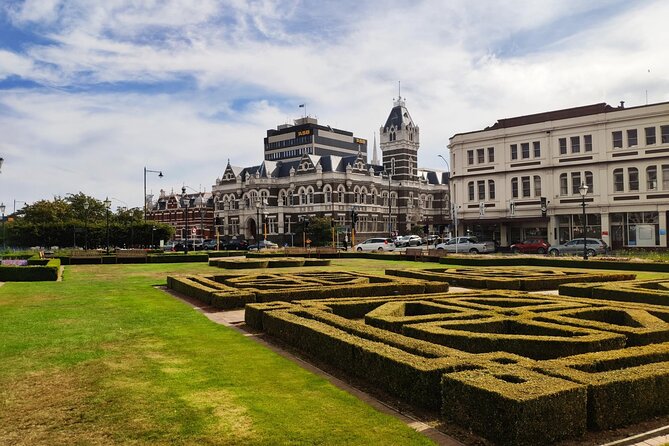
(103, 357)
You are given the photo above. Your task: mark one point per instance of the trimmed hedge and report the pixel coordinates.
(411, 377)
(653, 292)
(520, 335)
(32, 273)
(177, 258)
(233, 291)
(239, 263)
(507, 279)
(624, 386)
(317, 262)
(547, 391)
(554, 262)
(514, 405)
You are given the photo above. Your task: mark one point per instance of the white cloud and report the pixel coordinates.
(462, 64)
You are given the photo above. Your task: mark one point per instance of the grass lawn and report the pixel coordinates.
(103, 357)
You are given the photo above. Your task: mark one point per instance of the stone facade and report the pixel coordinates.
(503, 175)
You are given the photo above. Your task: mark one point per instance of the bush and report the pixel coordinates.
(287, 287)
(48, 272)
(408, 342)
(239, 263)
(287, 262)
(514, 405)
(317, 262)
(506, 278)
(175, 258)
(624, 386)
(593, 263)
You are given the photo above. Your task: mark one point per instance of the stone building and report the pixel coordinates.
(311, 170)
(192, 212)
(523, 177)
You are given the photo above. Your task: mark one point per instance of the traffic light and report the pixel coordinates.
(544, 206)
(306, 224)
(354, 217)
(426, 228)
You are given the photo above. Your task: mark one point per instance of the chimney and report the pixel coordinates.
(622, 104)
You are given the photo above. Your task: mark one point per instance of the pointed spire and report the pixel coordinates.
(375, 158)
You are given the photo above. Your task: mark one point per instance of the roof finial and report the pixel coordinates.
(399, 101)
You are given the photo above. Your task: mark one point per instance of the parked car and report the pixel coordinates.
(375, 244)
(209, 245)
(169, 246)
(263, 244)
(538, 246)
(592, 247)
(432, 240)
(408, 240)
(467, 244)
(235, 245)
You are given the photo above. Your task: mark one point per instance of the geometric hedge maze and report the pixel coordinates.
(228, 291)
(517, 368)
(654, 291)
(525, 279)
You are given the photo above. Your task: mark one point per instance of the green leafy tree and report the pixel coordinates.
(66, 222)
(320, 231)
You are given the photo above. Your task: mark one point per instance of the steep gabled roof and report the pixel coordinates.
(399, 117)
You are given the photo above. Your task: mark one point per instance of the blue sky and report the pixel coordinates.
(91, 92)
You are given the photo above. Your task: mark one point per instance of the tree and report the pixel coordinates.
(66, 222)
(320, 231)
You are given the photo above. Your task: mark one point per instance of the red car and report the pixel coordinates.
(532, 246)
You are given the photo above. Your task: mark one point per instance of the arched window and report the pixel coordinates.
(302, 193)
(281, 201)
(363, 195)
(327, 193)
(651, 178)
(589, 182)
(356, 195)
(341, 192)
(310, 195)
(384, 196)
(393, 199)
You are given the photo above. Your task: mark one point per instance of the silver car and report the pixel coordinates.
(593, 247)
(375, 244)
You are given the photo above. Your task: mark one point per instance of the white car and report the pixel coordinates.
(375, 244)
(466, 244)
(408, 240)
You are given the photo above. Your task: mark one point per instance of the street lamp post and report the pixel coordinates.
(107, 204)
(86, 206)
(255, 236)
(160, 175)
(448, 166)
(183, 195)
(583, 190)
(390, 204)
(2, 211)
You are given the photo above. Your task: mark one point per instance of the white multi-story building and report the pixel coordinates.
(502, 176)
